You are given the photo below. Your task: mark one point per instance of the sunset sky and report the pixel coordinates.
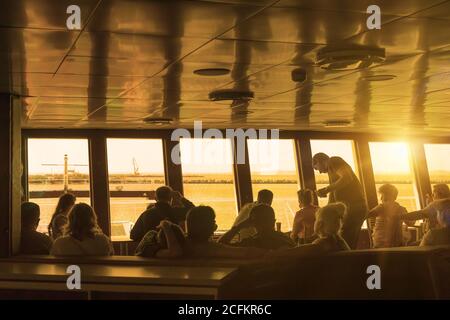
(266, 157)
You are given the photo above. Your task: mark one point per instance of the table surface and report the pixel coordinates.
(139, 275)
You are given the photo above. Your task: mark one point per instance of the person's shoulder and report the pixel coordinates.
(101, 237)
(60, 219)
(248, 206)
(42, 237)
(401, 209)
(63, 239)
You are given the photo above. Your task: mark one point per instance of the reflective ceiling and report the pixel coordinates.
(135, 59)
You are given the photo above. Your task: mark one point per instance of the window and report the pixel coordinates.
(438, 163)
(391, 164)
(136, 170)
(208, 179)
(273, 166)
(333, 148)
(56, 166)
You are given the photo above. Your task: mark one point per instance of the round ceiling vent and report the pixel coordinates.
(229, 94)
(210, 72)
(352, 57)
(298, 75)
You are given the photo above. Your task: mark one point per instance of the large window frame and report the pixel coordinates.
(242, 184)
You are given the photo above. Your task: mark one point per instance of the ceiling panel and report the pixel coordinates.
(134, 59)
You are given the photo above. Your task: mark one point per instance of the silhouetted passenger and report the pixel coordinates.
(441, 191)
(264, 197)
(200, 226)
(33, 242)
(441, 235)
(162, 210)
(303, 225)
(262, 218)
(59, 217)
(327, 226)
(82, 235)
(387, 231)
(344, 187)
(167, 242)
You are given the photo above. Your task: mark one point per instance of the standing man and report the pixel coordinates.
(344, 187)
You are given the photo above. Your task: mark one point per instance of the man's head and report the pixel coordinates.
(388, 193)
(30, 215)
(200, 223)
(320, 162)
(265, 196)
(262, 218)
(164, 194)
(443, 213)
(441, 191)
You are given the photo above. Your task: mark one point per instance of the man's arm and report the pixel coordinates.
(174, 249)
(374, 212)
(345, 177)
(230, 234)
(415, 215)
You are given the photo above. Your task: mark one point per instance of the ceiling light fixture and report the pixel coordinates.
(157, 121)
(210, 72)
(230, 94)
(337, 123)
(350, 57)
(379, 77)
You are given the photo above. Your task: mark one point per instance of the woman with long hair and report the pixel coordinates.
(82, 235)
(59, 217)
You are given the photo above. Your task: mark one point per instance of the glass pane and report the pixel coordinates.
(438, 163)
(56, 166)
(207, 166)
(333, 148)
(390, 161)
(136, 170)
(273, 166)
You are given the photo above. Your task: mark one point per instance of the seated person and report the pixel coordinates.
(82, 235)
(387, 231)
(33, 242)
(200, 226)
(439, 236)
(441, 191)
(162, 210)
(264, 197)
(327, 227)
(262, 218)
(59, 218)
(167, 243)
(303, 226)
